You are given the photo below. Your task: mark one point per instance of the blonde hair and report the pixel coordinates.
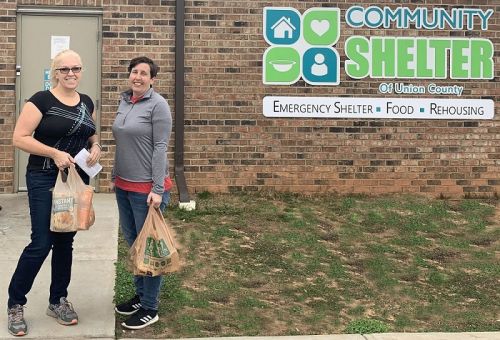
(55, 64)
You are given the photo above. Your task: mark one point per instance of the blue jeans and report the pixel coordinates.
(43, 240)
(133, 209)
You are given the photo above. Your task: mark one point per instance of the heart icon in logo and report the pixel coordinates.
(320, 27)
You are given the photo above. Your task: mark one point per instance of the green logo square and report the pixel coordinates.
(281, 65)
(321, 26)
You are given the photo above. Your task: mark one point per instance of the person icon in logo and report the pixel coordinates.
(319, 67)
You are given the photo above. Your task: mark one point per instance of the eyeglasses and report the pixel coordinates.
(65, 70)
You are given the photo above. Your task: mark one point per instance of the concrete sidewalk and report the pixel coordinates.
(92, 285)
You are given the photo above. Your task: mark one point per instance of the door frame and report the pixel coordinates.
(56, 11)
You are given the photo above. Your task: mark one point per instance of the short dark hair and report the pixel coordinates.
(144, 60)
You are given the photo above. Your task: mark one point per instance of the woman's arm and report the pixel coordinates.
(95, 147)
(162, 127)
(22, 138)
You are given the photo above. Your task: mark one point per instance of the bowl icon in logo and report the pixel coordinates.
(282, 65)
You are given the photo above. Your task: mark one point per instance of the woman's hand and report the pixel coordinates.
(154, 199)
(62, 159)
(95, 154)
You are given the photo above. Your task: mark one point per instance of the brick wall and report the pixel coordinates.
(132, 28)
(230, 146)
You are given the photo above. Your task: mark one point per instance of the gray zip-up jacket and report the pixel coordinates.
(142, 131)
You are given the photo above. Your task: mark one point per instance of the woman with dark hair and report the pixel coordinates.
(140, 176)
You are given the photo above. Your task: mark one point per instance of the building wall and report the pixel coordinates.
(230, 146)
(7, 92)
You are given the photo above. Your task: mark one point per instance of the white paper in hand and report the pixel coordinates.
(81, 160)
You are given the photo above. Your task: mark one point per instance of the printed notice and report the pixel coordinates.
(81, 160)
(388, 108)
(58, 44)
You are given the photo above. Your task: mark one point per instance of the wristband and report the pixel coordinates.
(99, 145)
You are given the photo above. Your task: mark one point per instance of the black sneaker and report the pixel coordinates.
(129, 307)
(141, 319)
(16, 324)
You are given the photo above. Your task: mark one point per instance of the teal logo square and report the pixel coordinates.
(321, 66)
(281, 26)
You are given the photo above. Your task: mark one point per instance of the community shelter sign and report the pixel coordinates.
(302, 46)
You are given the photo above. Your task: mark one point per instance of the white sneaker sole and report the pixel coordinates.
(125, 313)
(150, 322)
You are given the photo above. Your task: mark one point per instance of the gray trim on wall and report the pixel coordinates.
(58, 10)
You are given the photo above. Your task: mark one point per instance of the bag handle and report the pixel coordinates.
(64, 176)
(156, 210)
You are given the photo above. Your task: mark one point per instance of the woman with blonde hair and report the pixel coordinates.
(54, 125)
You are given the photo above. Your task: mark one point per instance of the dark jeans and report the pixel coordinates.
(133, 209)
(40, 183)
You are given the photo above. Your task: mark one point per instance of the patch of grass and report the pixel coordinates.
(345, 204)
(377, 248)
(380, 269)
(366, 326)
(475, 208)
(411, 240)
(336, 269)
(403, 322)
(456, 243)
(436, 278)
(219, 291)
(356, 311)
(248, 302)
(124, 285)
(174, 295)
(286, 264)
(249, 323)
(430, 314)
(204, 195)
(187, 324)
(374, 222)
(410, 274)
(221, 232)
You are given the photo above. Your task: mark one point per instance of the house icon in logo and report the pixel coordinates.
(283, 28)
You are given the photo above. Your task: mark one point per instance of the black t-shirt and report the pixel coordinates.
(66, 128)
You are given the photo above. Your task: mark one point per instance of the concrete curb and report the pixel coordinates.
(378, 336)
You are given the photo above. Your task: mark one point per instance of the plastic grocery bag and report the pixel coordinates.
(71, 203)
(154, 251)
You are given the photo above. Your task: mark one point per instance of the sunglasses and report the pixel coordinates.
(65, 70)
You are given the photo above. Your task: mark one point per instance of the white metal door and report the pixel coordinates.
(39, 36)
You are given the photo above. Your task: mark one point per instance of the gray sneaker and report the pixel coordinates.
(17, 325)
(63, 312)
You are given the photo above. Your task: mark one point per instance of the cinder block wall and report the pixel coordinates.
(230, 146)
